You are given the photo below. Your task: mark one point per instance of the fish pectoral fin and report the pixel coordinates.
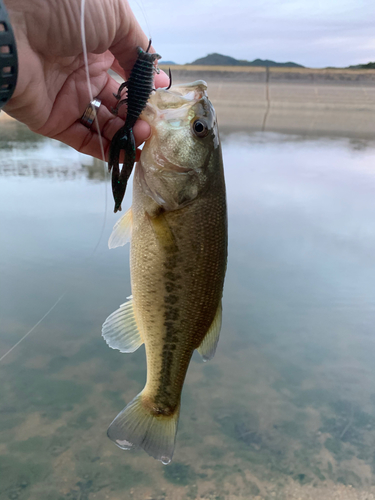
(138, 427)
(122, 231)
(162, 231)
(120, 329)
(207, 348)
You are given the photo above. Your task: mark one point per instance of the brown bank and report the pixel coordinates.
(303, 101)
(299, 101)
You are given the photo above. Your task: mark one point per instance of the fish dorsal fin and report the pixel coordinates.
(120, 329)
(207, 348)
(122, 230)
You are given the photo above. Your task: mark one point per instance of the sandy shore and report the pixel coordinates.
(337, 103)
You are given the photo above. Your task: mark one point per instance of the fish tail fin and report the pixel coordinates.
(126, 142)
(137, 426)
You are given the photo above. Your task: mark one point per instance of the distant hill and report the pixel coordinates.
(370, 65)
(220, 60)
(167, 62)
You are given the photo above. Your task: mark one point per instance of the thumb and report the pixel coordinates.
(128, 37)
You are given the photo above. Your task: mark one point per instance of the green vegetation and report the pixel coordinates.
(370, 65)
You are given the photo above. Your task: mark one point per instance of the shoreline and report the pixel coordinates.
(269, 74)
(299, 101)
(290, 104)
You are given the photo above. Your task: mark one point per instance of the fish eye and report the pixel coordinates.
(200, 128)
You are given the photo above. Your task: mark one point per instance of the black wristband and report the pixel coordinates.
(8, 58)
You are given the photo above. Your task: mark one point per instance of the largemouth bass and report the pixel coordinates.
(178, 255)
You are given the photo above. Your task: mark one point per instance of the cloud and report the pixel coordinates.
(314, 33)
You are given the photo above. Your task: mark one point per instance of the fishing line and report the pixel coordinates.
(85, 58)
(139, 3)
(87, 71)
(33, 328)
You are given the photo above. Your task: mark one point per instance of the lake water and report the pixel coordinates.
(285, 410)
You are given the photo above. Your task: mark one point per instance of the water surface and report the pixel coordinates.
(285, 410)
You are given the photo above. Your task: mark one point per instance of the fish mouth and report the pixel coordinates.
(187, 91)
(167, 104)
(193, 91)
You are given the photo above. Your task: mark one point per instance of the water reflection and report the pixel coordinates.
(24, 154)
(16, 134)
(286, 409)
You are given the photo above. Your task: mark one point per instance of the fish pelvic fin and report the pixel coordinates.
(122, 231)
(140, 426)
(120, 329)
(208, 346)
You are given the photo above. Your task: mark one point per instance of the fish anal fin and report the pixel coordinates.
(122, 231)
(208, 345)
(120, 329)
(137, 427)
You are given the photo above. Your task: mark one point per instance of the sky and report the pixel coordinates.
(314, 33)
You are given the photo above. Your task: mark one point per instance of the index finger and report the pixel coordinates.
(161, 79)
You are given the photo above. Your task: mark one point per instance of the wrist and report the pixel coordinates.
(8, 57)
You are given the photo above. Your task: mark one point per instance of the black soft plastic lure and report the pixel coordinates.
(139, 87)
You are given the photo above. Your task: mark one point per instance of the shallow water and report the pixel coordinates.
(285, 410)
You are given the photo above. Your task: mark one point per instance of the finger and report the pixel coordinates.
(85, 141)
(160, 80)
(89, 141)
(118, 69)
(109, 124)
(130, 36)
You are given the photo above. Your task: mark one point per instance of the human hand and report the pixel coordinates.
(51, 92)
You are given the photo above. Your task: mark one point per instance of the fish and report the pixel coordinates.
(177, 228)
